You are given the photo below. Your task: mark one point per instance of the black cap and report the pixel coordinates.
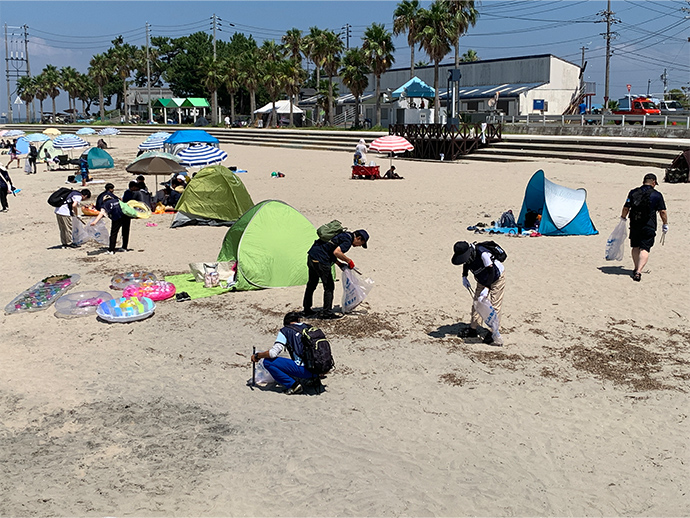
(364, 235)
(650, 176)
(461, 253)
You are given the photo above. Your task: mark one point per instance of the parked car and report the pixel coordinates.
(673, 108)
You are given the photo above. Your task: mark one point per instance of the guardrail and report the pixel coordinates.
(594, 119)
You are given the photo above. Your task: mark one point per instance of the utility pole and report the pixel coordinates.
(582, 67)
(16, 64)
(7, 72)
(608, 36)
(348, 31)
(214, 102)
(148, 74)
(649, 83)
(664, 79)
(28, 69)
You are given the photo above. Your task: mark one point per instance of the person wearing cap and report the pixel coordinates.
(108, 193)
(642, 204)
(321, 256)
(489, 274)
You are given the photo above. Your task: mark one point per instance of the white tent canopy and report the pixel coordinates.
(282, 107)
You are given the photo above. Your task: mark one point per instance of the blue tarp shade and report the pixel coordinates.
(22, 145)
(190, 137)
(99, 159)
(416, 88)
(563, 210)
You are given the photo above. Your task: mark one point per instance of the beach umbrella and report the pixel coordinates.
(109, 131)
(52, 132)
(37, 137)
(15, 133)
(158, 134)
(153, 143)
(201, 155)
(156, 165)
(86, 131)
(162, 154)
(69, 142)
(2, 132)
(391, 144)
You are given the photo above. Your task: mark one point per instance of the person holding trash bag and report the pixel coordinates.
(111, 208)
(489, 274)
(321, 256)
(289, 372)
(642, 204)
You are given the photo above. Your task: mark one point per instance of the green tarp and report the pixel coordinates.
(270, 243)
(215, 196)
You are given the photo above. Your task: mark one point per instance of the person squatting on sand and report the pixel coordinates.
(289, 372)
(111, 208)
(321, 256)
(64, 214)
(489, 273)
(642, 205)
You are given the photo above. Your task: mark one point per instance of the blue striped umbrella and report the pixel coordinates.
(154, 142)
(158, 134)
(15, 133)
(109, 131)
(201, 154)
(37, 137)
(69, 142)
(86, 131)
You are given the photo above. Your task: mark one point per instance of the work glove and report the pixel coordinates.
(466, 283)
(664, 228)
(351, 265)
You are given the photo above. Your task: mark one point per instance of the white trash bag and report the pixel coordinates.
(262, 377)
(483, 306)
(616, 242)
(354, 290)
(83, 232)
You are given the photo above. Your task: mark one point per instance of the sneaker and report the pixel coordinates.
(468, 332)
(110, 252)
(637, 276)
(295, 389)
(329, 315)
(309, 313)
(72, 245)
(124, 249)
(489, 340)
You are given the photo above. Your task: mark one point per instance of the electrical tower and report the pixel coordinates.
(16, 62)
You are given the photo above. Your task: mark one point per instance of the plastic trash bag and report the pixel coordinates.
(354, 290)
(483, 306)
(616, 242)
(83, 232)
(262, 377)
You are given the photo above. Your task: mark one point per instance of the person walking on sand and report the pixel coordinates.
(64, 215)
(14, 154)
(289, 372)
(642, 204)
(489, 274)
(321, 256)
(33, 155)
(5, 187)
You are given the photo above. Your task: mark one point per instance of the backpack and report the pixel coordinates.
(316, 350)
(495, 250)
(59, 197)
(330, 230)
(640, 205)
(507, 220)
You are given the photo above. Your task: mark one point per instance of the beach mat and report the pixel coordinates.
(196, 290)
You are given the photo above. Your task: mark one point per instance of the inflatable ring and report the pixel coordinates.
(143, 210)
(157, 290)
(89, 211)
(80, 304)
(126, 309)
(121, 280)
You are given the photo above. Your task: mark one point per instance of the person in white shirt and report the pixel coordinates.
(64, 215)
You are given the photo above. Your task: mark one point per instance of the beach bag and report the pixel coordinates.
(59, 197)
(495, 250)
(354, 290)
(483, 306)
(83, 232)
(330, 230)
(316, 350)
(211, 275)
(640, 205)
(616, 241)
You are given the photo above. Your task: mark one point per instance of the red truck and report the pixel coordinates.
(631, 105)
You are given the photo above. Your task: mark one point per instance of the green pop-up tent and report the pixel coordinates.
(98, 158)
(270, 243)
(215, 196)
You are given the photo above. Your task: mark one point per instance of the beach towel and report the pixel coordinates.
(186, 282)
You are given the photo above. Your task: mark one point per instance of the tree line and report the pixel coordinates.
(242, 72)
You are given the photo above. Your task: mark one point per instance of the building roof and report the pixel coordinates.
(196, 102)
(483, 92)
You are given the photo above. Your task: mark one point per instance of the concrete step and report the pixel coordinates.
(622, 157)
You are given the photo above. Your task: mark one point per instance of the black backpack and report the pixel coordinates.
(59, 197)
(316, 349)
(640, 205)
(495, 250)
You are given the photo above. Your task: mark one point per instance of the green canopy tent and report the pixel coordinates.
(215, 196)
(98, 158)
(270, 243)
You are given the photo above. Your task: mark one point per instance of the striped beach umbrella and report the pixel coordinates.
(201, 154)
(15, 133)
(37, 137)
(86, 131)
(154, 142)
(391, 144)
(158, 134)
(161, 154)
(109, 131)
(69, 142)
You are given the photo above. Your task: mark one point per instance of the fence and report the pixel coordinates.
(594, 119)
(440, 141)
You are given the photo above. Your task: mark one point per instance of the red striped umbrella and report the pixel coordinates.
(391, 144)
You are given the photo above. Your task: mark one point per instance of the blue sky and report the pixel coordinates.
(652, 36)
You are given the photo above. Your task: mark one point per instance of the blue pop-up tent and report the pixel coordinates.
(563, 211)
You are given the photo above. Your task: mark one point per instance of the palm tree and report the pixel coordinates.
(41, 92)
(271, 55)
(378, 47)
(435, 36)
(354, 74)
(26, 90)
(99, 71)
(294, 75)
(464, 15)
(293, 43)
(212, 71)
(406, 16)
(70, 83)
(314, 49)
(469, 55)
(333, 47)
(122, 59)
(230, 77)
(52, 82)
(249, 76)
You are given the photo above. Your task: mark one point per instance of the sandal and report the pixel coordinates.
(637, 276)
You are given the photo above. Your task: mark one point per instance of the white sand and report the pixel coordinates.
(583, 412)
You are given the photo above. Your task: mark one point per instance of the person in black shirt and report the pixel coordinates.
(643, 204)
(5, 187)
(109, 192)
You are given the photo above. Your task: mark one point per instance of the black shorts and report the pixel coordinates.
(642, 238)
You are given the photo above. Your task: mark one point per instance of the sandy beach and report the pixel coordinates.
(583, 412)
